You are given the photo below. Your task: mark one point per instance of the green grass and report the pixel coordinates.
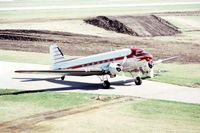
(23, 3)
(24, 57)
(180, 74)
(164, 110)
(52, 100)
(21, 105)
(184, 22)
(74, 13)
(6, 91)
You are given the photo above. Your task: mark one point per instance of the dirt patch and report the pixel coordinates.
(27, 123)
(143, 26)
(35, 35)
(196, 85)
(82, 45)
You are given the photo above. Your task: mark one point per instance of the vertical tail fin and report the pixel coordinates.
(57, 56)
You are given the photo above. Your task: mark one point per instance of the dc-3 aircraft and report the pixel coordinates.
(112, 63)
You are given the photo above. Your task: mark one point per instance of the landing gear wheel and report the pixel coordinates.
(138, 81)
(63, 77)
(106, 84)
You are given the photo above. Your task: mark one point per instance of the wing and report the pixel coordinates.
(69, 72)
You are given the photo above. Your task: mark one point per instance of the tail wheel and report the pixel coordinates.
(63, 77)
(138, 81)
(106, 84)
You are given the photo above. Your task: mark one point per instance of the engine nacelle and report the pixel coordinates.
(114, 68)
(147, 69)
(148, 66)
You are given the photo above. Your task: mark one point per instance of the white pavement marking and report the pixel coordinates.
(91, 84)
(96, 6)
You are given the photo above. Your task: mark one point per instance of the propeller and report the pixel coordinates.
(152, 63)
(122, 64)
(124, 61)
(162, 60)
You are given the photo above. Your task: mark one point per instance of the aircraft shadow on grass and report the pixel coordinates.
(70, 85)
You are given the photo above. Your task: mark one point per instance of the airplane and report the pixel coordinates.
(104, 65)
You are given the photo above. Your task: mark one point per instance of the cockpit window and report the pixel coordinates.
(140, 52)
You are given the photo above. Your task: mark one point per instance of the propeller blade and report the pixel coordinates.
(124, 60)
(162, 60)
(158, 61)
(151, 74)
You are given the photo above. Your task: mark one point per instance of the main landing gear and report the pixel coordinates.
(138, 81)
(106, 84)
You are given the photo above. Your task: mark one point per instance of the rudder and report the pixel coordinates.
(57, 56)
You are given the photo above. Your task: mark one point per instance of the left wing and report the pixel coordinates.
(69, 72)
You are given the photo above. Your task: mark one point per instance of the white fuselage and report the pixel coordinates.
(99, 61)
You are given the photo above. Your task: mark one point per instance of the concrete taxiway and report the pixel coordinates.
(91, 84)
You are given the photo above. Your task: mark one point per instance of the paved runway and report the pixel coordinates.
(91, 84)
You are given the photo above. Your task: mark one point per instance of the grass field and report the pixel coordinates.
(79, 13)
(167, 110)
(134, 116)
(24, 57)
(16, 106)
(163, 116)
(180, 74)
(184, 22)
(74, 13)
(142, 115)
(24, 3)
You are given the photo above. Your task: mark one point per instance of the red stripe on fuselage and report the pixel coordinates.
(100, 62)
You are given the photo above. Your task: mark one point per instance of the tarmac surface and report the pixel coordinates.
(30, 83)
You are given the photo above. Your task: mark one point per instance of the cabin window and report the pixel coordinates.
(140, 52)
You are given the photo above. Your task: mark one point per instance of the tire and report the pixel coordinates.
(138, 81)
(63, 77)
(106, 84)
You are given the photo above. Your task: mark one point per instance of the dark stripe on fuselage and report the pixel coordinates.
(100, 62)
(57, 54)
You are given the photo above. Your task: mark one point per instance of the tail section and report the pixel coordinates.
(57, 57)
